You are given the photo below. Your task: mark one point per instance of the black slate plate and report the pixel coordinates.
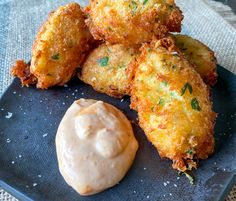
(28, 159)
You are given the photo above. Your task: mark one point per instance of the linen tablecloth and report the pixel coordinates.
(209, 21)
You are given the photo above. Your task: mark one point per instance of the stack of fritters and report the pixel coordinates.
(131, 51)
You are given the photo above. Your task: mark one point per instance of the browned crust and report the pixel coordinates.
(68, 66)
(211, 77)
(22, 70)
(113, 91)
(143, 27)
(181, 161)
(174, 20)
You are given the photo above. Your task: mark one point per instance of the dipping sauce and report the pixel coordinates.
(95, 146)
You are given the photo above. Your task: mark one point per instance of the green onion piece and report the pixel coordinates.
(144, 2)
(134, 7)
(165, 83)
(195, 104)
(186, 86)
(103, 61)
(161, 102)
(190, 151)
(55, 56)
(190, 178)
(152, 109)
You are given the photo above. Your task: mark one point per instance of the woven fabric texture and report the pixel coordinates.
(4, 196)
(209, 21)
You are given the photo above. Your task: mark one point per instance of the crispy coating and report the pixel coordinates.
(173, 105)
(106, 69)
(132, 22)
(201, 56)
(22, 70)
(60, 46)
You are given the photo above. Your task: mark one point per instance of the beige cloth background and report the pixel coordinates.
(207, 20)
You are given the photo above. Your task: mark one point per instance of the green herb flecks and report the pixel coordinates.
(133, 7)
(152, 109)
(190, 151)
(186, 86)
(56, 56)
(161, 102)
(103, 61)
(172, 94)
(144, 2)
(109, 50)
(195, 104)
(190, 178)
(165, 83)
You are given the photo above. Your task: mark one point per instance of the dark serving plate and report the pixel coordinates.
(28, 159)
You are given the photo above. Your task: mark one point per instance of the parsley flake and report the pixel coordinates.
(186, 86)
(190, 151)
(195, 104)
(190, 178)
(133, 6)
(144, 2)
(55, 56)
(165, 83)
(103, 61)
(161, 102)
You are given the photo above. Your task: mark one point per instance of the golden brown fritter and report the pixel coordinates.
(106, 69)
(173, 105)
(201, 56)
(22, 70)
(132, 22)
(60, 46)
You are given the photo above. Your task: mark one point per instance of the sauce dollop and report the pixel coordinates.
(95, 146)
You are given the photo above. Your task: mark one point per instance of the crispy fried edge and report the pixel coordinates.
(90, 43)
(212, 76)
(158, 31)
(113, 91)
(181, 162)
(22, 70)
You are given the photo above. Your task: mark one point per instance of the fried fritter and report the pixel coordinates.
(60, 46)
(201, 56)
(106, 69)
(173, 105)
(22, 71)
(132, 22)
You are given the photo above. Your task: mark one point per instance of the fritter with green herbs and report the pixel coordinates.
(132, 22)
(107, 69)
(173, 105)
(201, 56)
(60, 46)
